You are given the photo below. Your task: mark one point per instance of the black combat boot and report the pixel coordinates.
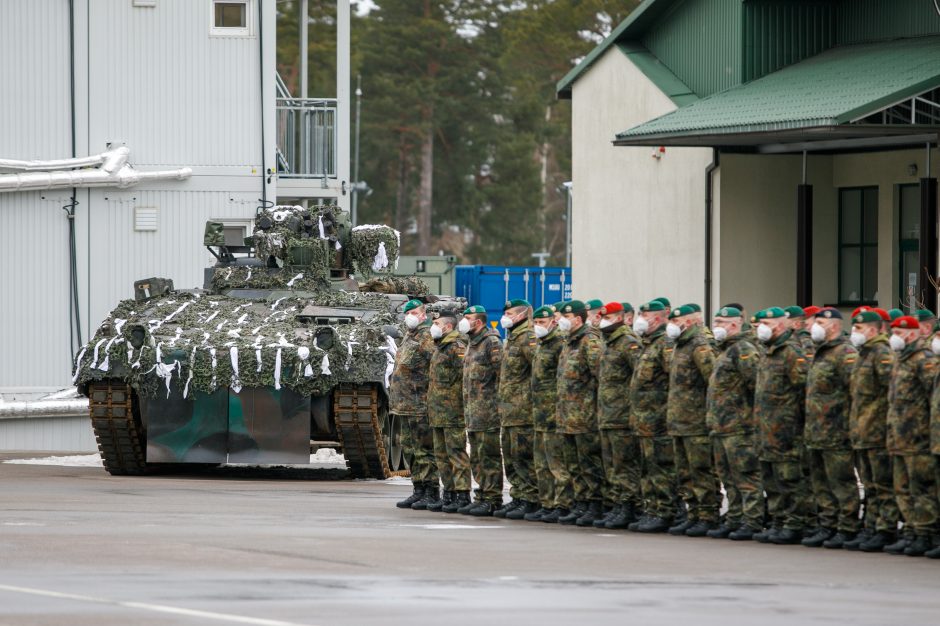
(934, 553)
(898, 546)
(654, 524)
(521, 511)
(679, 528)
(483, 509)
(635, 524)
(622, 519)
(580, 508)
(838, 540)
(919, 546)
(818, 538)
(765, 535)
(416, 495)
(461, 499)
(439, 505)
(594, 511)
(745, 533)
(877, 542)
(432, 493)
(537, 516)
(860, 538)
(699, 529)
(556, 514)
(786, 537)
(724, 529)
(506, 508)
(601, 522)
(465, 508)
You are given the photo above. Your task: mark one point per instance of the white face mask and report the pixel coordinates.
(858, 339)
(436, 332)
(764, 333)
(506, 322)
(673, 330)
(720, 333)
(818, 333)
(540, 331)
(464, 326)
(564, 324)
(412, 321)
(897, 344)
(605, 324)
(640, 326)
(935, 345)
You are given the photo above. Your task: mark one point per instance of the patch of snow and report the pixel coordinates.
(77, 460)
(446, 526)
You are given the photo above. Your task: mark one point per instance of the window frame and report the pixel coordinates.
(231, 31)
(861, 246)
(905, 244)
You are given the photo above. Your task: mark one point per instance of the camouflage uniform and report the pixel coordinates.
(649, 391)
(445, 412)
(806, 343)
(619, 449)
(730, 418)
(909, 400)
(689, 370)
(515, 412)
(407, 397)
(826, 436)
(577, 411)
(554, 482)
(480, 386)
(867, 432)
(779, 417)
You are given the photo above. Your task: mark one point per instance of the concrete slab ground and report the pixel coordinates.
(78, 546)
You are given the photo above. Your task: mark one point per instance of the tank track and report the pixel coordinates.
(117, 429)
(356, 413)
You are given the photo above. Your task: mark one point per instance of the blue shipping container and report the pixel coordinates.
(492, 285)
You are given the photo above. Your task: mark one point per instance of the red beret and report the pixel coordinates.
(811, 310)
(858, 310)
(905, 321)
(611, 307)
(883, 314)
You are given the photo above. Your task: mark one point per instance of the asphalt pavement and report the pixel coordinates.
(78, 547)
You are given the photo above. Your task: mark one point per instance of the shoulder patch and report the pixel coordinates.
(744, 357)
(800, 359)
(885, 361)
(634, 347)
(928, 365)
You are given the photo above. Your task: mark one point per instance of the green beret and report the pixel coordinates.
(685, 309)
(627, 307)
(695, 308)
(895, 314)
(593, 305)
(511, 304)
(559, 305)
(663, 300)
(653, 305)
(771, 313)
(574, 306)
(866, 316)
(543, 312)
(728, 311)
(412, 304)
(794, 311)
(924, 315)
(476, 308)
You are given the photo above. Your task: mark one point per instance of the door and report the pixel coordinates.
(908, 245)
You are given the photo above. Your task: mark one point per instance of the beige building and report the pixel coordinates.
(768, 153)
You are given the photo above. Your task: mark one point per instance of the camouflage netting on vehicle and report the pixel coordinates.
(192, 341)
(297, 236)
(409, 285)
(247, 277)
(373, 248)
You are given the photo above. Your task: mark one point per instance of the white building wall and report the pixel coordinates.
(638, 222)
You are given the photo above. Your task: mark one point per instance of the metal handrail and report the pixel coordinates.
(307, 137)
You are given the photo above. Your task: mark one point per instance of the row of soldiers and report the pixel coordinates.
(600, 417)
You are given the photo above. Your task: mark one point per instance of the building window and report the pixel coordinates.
(908, 245)
(858, 246)
(235, 230)
(230, 18)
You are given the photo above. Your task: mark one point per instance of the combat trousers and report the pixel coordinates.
(516, 443)
(557, 453)
(620, 453)
(787, 500)
(739, 471)
(835, 489)
(417, 442)
(550, 471)
(658, 476)
(487, 465)
(453, 462)
(915, 488)
(698, 484)
(585, 466)
(876, 474)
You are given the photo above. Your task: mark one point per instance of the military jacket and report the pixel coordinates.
(481, 380)
(868, 386)
(445, 390)
(408, 384)
(806, 342)
(827, 395)
(515, 377)
(545, 381)
(577, 382)
(649, 387)
(909, 400)
(730, 399)
(621, 352)
(689, 370)
(778, 399)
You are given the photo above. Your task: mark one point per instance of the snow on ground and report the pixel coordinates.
(76, 460)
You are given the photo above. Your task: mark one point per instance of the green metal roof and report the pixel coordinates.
(658, 73)
(828, 90)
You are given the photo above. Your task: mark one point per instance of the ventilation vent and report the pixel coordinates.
(145, 218)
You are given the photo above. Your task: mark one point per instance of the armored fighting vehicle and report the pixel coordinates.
(282, 352)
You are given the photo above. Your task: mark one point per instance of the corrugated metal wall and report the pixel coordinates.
(72, 434)
(871, 20)
(777, 34)
(700, 42)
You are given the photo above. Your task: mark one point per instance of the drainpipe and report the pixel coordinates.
(709, 223)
